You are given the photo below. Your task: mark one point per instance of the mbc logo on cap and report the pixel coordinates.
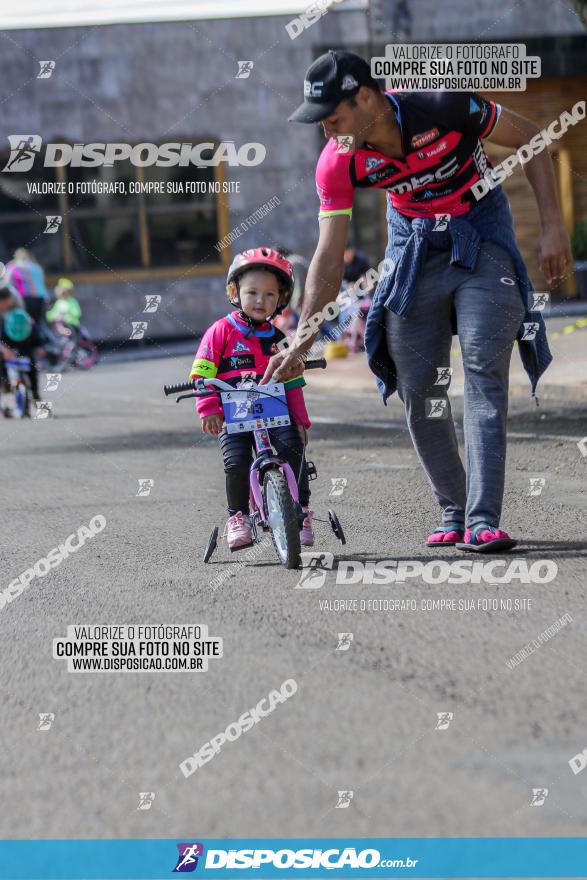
(312, 89)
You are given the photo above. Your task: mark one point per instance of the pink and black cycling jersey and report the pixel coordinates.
(226, 352)
(443, 157)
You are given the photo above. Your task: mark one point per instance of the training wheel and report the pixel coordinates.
(336, 526)
(212, 541)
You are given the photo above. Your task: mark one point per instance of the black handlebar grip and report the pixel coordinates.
(317, 364)
(176, 389)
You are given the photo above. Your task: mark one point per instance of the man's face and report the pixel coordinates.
(352, 120)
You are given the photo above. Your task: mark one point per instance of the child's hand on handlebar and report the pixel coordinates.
(212, 424)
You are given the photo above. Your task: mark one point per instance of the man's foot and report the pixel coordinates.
(484, 538)
(238, 531)
(446, 535)
(307, 532)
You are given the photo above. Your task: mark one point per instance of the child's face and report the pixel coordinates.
(259, 294)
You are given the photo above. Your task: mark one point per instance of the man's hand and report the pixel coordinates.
(212, 424)
(554, 252)
(283, 366)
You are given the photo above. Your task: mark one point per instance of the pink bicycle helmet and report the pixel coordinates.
(261, 258)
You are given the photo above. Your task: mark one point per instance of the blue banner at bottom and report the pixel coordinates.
(407, 857)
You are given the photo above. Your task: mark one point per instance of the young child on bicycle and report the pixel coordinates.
(66, 309)
(19, 336)
(259, 285)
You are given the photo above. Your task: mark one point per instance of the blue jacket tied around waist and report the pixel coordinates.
(407, 248)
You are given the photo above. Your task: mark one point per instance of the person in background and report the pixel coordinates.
(66, 308)
(11, 304)
(355, 265)
(28, 279)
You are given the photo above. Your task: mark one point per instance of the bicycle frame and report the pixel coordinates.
(265, 458)
(265, 455)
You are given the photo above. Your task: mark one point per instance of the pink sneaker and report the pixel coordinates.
(238, 531)
(307, 532)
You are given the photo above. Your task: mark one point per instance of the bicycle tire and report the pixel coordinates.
(280, 506)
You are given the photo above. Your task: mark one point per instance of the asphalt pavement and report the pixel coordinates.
(371, 714)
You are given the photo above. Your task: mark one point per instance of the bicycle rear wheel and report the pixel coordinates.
(282, 517)
(86, 355)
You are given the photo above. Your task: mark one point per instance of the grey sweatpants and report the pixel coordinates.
(489, 310)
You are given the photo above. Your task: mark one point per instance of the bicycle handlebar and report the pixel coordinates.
(317, 364)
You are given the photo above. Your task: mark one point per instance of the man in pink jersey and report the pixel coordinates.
(455, 265)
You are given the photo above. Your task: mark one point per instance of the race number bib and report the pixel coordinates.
(260, 406)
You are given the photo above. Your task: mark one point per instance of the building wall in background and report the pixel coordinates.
(166, 81)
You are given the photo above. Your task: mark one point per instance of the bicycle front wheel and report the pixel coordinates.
(282, 517)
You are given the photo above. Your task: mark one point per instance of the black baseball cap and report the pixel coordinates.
(330, 79)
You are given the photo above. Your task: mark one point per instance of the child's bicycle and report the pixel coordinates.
(18, 373)
(274, 502)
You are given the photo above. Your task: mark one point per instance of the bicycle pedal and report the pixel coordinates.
(311, 470)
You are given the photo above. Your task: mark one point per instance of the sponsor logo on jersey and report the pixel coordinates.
(426, 154)
(241, 362)
(240, 346)
(373, 162)
(417, 180)
(420, 140)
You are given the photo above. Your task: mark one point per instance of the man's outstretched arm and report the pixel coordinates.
(322, 287)
(554, 249)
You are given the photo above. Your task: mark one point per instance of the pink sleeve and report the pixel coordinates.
(206, 363)
(333, 181)
(297, 407)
